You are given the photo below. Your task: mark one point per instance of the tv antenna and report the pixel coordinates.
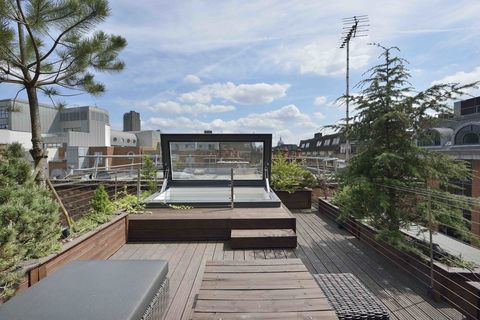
(353, 27)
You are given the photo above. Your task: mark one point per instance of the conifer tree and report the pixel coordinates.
(29, 218)
(380, 182)
(50, 46)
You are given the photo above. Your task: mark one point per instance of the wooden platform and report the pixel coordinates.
(205, 224)
(269, 238)
(260, 289)
(322, 247)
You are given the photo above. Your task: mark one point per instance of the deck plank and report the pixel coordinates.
(269, 291)
(322, 248)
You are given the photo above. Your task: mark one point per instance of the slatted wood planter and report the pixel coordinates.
(100, 243)
(300, 199)
(458, 286)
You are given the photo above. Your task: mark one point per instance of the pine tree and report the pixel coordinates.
(52, 45)
(380, 181)
(29, 218)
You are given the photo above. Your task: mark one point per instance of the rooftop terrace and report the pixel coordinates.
(322, 247)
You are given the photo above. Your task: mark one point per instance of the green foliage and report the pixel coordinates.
(55, 43)
(290, 176)
(53, 46)
(179, 206)
(383, 182)
(101, 211)
(29, 218)
(149, 173)
(129, 203)
(100, 202)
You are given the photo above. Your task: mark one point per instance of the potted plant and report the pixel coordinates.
(292, 183)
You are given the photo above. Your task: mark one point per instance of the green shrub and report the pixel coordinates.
(101, 211)
(149, 173)
(29, 218)
(129, 203)
(290, 176)
(100, 202)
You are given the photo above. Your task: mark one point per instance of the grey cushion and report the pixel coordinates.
(95, 289)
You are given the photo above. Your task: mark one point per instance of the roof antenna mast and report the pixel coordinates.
(353, 27)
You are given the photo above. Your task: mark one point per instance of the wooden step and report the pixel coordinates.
(262, 238)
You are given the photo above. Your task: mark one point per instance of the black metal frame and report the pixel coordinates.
(266, 139)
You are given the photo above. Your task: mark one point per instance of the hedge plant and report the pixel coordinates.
(290, 176)
(29, 218)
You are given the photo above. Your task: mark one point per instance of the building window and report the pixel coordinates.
(336, 141)
(470, 138)
(307, 145)
(3, 113)
(468, 135)
(72, 129)
(52, 145)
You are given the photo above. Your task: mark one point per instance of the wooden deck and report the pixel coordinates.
(260, 289)
(271, 227)
(322, 247)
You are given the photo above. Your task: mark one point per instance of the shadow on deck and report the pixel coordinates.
(322, 247)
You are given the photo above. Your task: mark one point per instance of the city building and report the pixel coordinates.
(458, 135)
(330, 145)
(286, 149)
(131, 121)
(71, 135)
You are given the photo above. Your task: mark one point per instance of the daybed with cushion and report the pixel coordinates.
(95, 289)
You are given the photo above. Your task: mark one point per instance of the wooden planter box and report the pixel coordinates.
(300, 199)
(100, 243)
(458, 286)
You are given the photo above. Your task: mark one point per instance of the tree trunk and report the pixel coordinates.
(37, 152)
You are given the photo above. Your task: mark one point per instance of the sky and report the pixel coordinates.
(270, 66)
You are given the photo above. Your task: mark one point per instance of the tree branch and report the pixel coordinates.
(60, 36)
(35, 47)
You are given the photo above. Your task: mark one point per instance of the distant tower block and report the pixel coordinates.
(131, 121)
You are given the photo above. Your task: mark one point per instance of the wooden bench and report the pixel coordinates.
(260, 289)
(95, 289)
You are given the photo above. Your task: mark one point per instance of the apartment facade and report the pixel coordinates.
(458, 135)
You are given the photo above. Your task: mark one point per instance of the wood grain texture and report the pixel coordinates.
(269, 290)
(322, 248)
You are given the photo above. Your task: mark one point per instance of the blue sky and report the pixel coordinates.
(269, 66)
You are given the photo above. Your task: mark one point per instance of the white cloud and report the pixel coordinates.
(463, 77)
(174, 107)
(192, 79)
(256, 93)
(322, 58)
(197, 108)
(287, 121)
(319, 115)
(319, 101)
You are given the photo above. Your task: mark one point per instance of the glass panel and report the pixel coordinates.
(214, 160)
